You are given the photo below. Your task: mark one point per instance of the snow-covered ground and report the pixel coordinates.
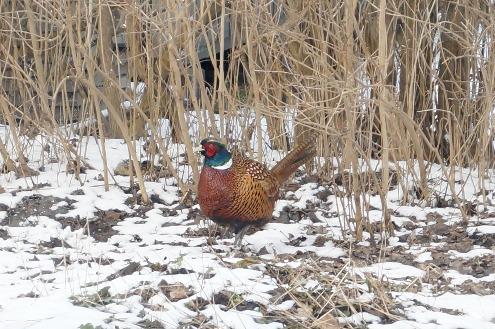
(73, 255)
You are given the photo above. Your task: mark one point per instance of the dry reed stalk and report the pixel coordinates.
(350, 157)
(105, 59)
(384, 94)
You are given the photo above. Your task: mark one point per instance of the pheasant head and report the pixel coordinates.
(216, 154)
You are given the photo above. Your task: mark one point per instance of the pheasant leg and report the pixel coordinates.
(227, 232)
(239, 236)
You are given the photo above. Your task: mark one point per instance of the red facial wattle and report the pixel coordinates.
(210, 150)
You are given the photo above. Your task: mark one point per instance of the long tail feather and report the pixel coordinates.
(296, 158)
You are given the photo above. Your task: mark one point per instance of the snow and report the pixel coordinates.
(54, 311)
(472, 253)
(483, 229)
(65, 278)
(458, 278)
(423, 257)
(360, 318)
(391, 270)
(284, 306)
(471, 310)
(241, 320)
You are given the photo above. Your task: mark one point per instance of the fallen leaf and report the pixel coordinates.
(327, 321)
(175, 292)
(178, 293)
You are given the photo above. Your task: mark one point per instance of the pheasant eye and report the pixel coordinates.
(210, 149)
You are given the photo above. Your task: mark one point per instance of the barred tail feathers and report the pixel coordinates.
(296, 158)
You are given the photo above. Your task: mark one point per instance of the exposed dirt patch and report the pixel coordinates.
(291, 214)
(197, 304)
(146, 293)
(54, 243)
(4, 235)
(181, 270)
(100, 227)
(128, 270)
(480, 288)
(234, 301)
(167, 212)
(150, 324)
(484, 240)
(213, 233)
(78, 192)
(35, 205)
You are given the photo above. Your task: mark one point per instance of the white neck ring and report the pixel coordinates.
(226, 165)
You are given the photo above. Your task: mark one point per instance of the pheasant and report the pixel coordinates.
(237, 191)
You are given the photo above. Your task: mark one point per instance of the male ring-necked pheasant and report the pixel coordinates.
(237, 191)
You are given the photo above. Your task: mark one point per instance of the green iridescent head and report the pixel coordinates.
(216, 154)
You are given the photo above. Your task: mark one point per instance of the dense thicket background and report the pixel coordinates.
(408, 83)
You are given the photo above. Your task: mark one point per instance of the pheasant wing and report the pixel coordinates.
(261, 175)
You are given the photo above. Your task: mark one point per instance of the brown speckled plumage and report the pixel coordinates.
(245, 193)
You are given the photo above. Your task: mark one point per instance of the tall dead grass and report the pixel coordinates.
(402, 82)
